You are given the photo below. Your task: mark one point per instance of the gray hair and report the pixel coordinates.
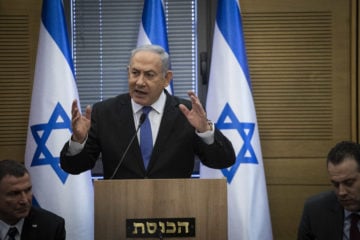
(164, 56)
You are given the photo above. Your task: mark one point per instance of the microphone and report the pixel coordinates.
(141, 121)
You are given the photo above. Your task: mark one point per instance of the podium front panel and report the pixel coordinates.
(157, 205)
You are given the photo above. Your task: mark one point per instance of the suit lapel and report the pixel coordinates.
(30, 227)
(127, 130)
(167, 124)
(336, 218)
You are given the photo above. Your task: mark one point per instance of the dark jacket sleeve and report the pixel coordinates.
(322, 218)
(75, 164)
(219, 154)
(43, 225)
(304, 229)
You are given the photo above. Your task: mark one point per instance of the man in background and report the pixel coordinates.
(18, 218)
(335, 214)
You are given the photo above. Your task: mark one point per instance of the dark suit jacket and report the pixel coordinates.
(322, 219)
(43, 225)
(112, 126)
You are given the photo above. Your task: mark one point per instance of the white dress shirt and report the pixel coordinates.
(347, 224)
(4, 228)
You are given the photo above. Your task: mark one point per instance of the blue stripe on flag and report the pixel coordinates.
(154, 24)
(228, 14)
(54, 21)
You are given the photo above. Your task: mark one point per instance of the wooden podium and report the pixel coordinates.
(161, 208)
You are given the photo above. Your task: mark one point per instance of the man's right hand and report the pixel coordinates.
(80, 123)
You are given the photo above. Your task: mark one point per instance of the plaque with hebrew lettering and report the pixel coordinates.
(160, 227)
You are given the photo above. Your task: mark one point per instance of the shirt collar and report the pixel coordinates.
(348, 213)
(4, 227)
(158, 105)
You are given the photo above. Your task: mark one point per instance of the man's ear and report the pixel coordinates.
(168, 77)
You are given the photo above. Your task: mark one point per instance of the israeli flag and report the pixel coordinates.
(153, 28)
(230, 104)
(49, 128)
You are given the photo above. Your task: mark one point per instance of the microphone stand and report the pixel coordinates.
(141, 121)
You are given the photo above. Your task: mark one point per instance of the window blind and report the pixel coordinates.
(104, 33)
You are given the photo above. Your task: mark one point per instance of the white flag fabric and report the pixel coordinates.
(153, 28)
(230, 104)
(54, 89)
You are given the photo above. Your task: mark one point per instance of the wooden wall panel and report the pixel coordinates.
(292, 171)
(299, 64)
(299, 55)
(19, 26)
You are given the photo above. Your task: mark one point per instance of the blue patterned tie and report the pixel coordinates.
(146, 142)
(12, 233)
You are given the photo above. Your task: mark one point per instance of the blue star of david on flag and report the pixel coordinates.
(41, 132)
(228, 120)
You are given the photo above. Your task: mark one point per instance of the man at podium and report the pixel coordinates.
(147, 132)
